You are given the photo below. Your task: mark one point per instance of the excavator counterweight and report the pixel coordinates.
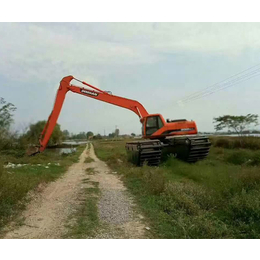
(178, 137)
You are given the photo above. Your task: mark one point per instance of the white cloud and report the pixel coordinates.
(42, 50)
(39, 55)
(34, 51)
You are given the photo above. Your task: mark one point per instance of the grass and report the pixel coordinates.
(15, 183)
(215, 198)
(245, 142)
(86, 217)
(90, 171)
(89, 160)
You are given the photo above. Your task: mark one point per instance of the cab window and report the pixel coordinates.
(153, 123)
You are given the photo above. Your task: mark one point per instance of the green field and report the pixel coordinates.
(215, 198)
(15, 183)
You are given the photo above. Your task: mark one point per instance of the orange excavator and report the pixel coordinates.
(178, 137)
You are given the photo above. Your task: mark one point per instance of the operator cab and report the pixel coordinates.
(151, 124)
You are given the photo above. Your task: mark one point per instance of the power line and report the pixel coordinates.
(212, 86)
(219, 85)
(226, 85)
(223, 87)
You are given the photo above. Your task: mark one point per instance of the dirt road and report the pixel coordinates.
(49, 211)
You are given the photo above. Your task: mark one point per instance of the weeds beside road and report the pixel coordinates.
(88, 201)
(215, 198)
(105, 209)
(15, 183)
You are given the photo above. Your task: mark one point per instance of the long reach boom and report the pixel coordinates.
(95, 93)
(178, 137)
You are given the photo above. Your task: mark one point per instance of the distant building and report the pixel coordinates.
(116, 132)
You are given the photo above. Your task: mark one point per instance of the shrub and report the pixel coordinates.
(222, 142)
(249, 178)
(256, 159)
(180, 196)
(245, 207)
(154, 179)
(242, 156)
(246, 142)
(238, 157)
(32, 136)
(218, 197)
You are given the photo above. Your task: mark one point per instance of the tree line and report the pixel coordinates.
(80, 136)
(13, 139)
(8, 138)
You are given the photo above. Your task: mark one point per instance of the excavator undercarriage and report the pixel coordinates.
(187, 148)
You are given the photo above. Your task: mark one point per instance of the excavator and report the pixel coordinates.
(160, 138)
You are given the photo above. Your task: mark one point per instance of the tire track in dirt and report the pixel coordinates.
(47, 215)
(116, 207)
(47, 212)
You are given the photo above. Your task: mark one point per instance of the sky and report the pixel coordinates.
(157, 64)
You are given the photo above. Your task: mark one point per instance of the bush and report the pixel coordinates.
(222, 142)
(32, 136)
(242, 156)
(154, 180)
(238, 157)
(181, 196)
(218, 197)
(15, 183)
(250, 142)
(245, 207)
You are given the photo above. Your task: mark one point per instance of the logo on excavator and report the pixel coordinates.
(89, 92)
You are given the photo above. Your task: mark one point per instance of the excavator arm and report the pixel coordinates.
(178, 137)
(92, 92)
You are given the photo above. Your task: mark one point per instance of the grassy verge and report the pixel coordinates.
(90, 171)
(215, 198)
(15, 183)
(88, 160)
(230, 142)
(86, 217)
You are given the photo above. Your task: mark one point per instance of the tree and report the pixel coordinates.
(111, 135)
(6, 116)
(7, 139)
(81, 135)
(89, 133)
(237, 123)
(98, 136)
(35, 130)
(133, 134)
(66, 134)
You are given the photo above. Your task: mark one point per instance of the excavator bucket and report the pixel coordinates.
(32, 150)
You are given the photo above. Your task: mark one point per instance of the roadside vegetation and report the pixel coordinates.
(244, 142)
(215, 198)
(218, 197)
(26, 174)
(88, 160)
(19, 173)
(34, 131)
(85, 218)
